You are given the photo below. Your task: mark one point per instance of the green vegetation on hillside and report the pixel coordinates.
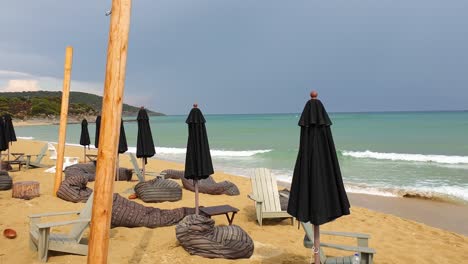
(45, 104)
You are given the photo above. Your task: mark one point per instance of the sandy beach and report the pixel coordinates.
(396, 239)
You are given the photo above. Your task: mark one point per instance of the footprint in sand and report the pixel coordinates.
(265, 251)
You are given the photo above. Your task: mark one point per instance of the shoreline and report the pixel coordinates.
(446, 215)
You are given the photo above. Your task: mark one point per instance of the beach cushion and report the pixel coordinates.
(198, 235)
(5, 181)
(208, 185)
(89, 170)
(158, 190)
(73, 189)
(128, 213)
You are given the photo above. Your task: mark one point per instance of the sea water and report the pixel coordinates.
(422, 154)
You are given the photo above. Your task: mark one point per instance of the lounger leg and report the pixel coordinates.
(32, 245)
(43, 244)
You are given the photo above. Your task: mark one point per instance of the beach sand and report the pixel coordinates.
(396, 239)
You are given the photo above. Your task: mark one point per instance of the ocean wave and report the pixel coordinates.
(214, 152)
(441, 193)
(407, 157)
(27, 138)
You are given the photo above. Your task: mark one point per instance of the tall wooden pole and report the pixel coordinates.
(110, 130)
(63, 118)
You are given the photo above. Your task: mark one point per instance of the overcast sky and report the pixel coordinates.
(249, 56)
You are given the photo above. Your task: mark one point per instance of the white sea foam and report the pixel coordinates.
(27, 138)
(214, 152)
(407, 157)
(446, 193)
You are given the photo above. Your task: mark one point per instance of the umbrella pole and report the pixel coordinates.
(316, 248)
(1, 160)
(84, 156)
(195, 183)
(143, 161)
(8, 156)
(117, 168)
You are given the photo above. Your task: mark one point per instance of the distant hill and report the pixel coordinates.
(25, 105)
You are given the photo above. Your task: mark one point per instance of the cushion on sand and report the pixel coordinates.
(89, 170)
(73, 189)
(128, 213)
(158, 190)
(198, 235)
(5, 181)
(207, 185)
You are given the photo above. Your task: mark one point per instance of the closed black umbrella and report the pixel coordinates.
(122, 139)
(123, 147)
(3, 139)
(317, 193)
(198, 164)
(84, 137)
(145, 145)
(10, 134)
(98, 127)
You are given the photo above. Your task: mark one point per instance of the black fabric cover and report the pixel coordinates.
(98, 128)
(5, 181)
(73, 189)
(89, 170)
(3, 139)
(317, 191)
(122, 139)
(84, 137)
(145, 145)
(198, 235)
(208, 185)
(10, 134)
(198, 164)
(158, 190)
(128, 213)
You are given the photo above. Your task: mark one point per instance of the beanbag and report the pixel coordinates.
(158, 190)
(73, 189)
(208, 185)
(128, 213)
(198, 235)
(5, 181)
(89, 170)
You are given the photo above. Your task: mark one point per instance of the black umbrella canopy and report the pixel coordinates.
(145, 145)
(3, 139)
(317, 191)
(84, 137)
(10, 134)
(122, 139)
(198, 164)
(98, 127)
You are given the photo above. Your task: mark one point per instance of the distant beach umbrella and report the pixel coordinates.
(3, 139)
(84, 137)
(198, 164)
(123, 147)
(10, 134)
(9, 129)
(98, 127)
(145, 145)
(317, 192)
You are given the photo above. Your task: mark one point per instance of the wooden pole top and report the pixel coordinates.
(313, 94)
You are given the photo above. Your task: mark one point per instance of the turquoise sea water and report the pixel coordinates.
(391, 154)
